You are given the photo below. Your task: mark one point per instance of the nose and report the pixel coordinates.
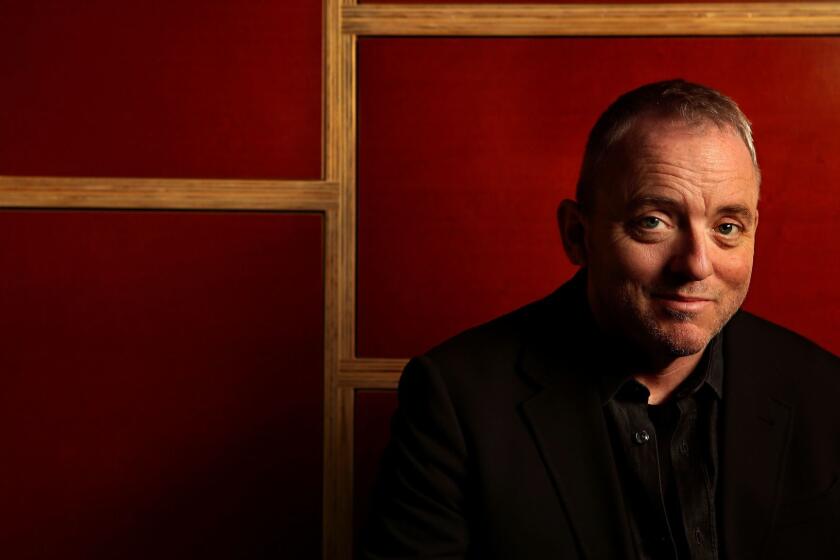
(691, 257)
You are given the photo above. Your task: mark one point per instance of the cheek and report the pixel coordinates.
(735, 268)
(619, 260)
(639, 261)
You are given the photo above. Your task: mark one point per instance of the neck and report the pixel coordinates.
(661, 375)
(662, 381)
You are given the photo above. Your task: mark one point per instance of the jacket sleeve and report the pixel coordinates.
(418, 505)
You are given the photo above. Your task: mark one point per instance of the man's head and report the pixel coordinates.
(666, 216)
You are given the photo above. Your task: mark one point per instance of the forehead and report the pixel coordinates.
(690, 159)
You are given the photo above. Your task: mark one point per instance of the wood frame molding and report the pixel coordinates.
(340, 167)
(166, 194)
(367, 373)
(781, 18)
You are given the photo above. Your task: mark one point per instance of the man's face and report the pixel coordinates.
(671, 235)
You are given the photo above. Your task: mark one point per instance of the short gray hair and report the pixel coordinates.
(693, 103)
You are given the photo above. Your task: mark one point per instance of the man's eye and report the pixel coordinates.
(728, 229)
(650, 222)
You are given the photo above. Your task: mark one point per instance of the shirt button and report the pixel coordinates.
(684, 448)
(641, 437)
(698, 535)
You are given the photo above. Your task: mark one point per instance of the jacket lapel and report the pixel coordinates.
(566, 420)
(568, 425)
(756, 430)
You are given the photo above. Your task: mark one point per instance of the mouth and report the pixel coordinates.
(683, 303)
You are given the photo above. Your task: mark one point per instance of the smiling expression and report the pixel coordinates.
(669, 242)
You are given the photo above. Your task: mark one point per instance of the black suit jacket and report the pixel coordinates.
(499, 447)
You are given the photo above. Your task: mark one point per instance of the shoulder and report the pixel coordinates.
(779, 355)
(498, 343)
(503, 337)
(768, 338)
(482, 364)
(490, 342)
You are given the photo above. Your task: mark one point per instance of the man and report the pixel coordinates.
(635, 412)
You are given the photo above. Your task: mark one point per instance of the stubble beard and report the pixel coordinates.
(670, 341)
(676, 335)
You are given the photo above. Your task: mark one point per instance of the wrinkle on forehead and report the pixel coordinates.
(699, 161)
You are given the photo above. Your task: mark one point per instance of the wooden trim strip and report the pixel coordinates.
(371, 373)
(345, 169)
(179, 194)
(373, 365)
(347, 205)
(343, 536)
(779, 18)
(369, 380)
(340, 155)
(338, 481)
(340, 168)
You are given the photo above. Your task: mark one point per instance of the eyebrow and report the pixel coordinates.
(737, 210)
(653, 200)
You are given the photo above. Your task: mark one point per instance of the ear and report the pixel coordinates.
(572, 224)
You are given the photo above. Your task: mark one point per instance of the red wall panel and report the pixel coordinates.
(466, 146)
(161, 385)
(161, 89)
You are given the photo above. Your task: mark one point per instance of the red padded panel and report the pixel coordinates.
(159, 88)
(467, 145)
(371, 423)
(162, 385)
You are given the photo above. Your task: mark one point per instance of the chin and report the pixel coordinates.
(678, 337)
(678, 346)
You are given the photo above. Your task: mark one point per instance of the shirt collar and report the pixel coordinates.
(707, 373)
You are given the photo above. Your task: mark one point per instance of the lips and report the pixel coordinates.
(679, 297)
(685, 303)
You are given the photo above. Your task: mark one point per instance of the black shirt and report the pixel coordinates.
(666, 456)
